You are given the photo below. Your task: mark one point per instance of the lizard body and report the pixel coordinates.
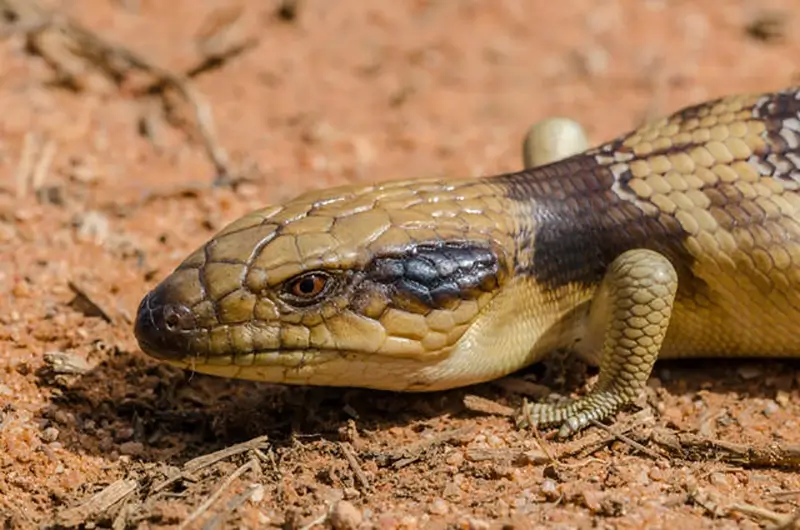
(678, 239)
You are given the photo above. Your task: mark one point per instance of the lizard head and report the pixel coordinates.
(370, 286)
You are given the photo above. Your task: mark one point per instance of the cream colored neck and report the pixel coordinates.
(518, 327)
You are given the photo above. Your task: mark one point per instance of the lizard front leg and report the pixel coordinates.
(632, 311)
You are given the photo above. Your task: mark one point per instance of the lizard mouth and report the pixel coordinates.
(167, 331)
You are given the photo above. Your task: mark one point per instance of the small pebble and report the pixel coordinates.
(50, 434)
(455, 458)
(22, 289)
(495, 441)
(123, 434)
(654, 383)
(719, 480)
(387, 522)
(771, 408)
(351, 493)
(549, 488)
(258, 494)
(533, 457)
(131, 448)
(63, 417)
(656, 474)
(521, 501)
(93, 227)
(594, 60)
(503, 471)
(438, 507)
(7, 232)
(477, 524)
(409, 522)
(593, 500)
(451, 490)
(345, 516)
(748, 372)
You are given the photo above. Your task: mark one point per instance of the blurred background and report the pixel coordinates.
(108, 178)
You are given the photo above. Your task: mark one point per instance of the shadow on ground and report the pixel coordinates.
(131, 405)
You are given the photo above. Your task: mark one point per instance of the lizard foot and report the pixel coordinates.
(572, 416)
(628, 319)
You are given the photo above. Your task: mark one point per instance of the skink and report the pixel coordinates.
(678, 239)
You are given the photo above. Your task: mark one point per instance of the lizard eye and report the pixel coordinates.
(308, 287)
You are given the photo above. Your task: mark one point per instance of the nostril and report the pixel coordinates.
(171, 319)
(176, 317)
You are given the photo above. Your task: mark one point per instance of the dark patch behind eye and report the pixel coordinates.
(435, 275)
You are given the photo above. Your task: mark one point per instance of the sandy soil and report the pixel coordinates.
(101, 195)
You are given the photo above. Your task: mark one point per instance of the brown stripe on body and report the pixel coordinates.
(579, 224)
(684, 185)
(779, 159)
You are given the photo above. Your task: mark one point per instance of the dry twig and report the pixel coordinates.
(593, 441)
(347, 451)
(487, 406)
(71, 50)
(251, 464)
(232, 505)
(97, 503)
(196, 464)
(201, 462)
(717, 507)
(693, 447)
(518, 457)
(414, 452)
(628, 440)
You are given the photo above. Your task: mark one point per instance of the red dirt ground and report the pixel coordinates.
(345, 91)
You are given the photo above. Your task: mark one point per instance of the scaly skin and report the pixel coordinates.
(679, 239)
